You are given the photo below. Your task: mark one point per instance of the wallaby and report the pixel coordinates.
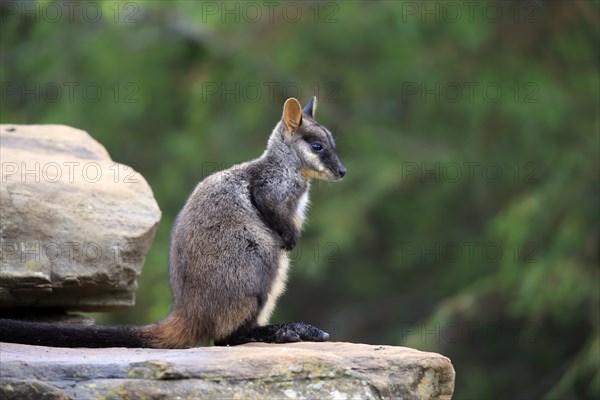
(229, 249)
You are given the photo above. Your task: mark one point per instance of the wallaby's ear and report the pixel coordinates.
(311, 107)
(292, 114)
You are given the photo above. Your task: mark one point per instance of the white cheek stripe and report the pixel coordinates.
(313, 159)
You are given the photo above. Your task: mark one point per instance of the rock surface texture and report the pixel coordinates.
(75, 226)
(252, 371)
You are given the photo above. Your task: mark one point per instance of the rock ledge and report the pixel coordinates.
(252, 371)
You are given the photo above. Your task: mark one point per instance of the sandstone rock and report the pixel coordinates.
(252, 371)
(75, 225)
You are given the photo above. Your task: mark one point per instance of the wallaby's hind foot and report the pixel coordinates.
(278, 333)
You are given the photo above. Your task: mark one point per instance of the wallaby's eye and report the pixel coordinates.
(316, 146)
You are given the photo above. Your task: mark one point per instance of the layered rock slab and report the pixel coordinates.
(252, 371)
(75, 226)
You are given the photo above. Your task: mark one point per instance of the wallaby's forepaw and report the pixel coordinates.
(289, 241)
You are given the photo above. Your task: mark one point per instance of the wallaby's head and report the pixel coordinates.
(312, 142)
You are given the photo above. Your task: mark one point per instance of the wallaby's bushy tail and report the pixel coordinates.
(171, 332)
(71, 335)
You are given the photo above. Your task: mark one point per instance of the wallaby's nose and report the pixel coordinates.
(342, 172)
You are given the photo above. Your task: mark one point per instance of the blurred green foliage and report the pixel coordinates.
(468, 223)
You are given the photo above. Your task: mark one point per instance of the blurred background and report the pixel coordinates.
(468, 222)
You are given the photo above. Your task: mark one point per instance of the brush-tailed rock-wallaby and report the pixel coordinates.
(229, 251)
